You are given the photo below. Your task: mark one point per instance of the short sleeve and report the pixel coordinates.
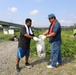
(56, 27)
(23, 30)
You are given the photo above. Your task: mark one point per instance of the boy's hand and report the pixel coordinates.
(35, 38)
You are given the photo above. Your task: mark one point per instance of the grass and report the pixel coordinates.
(7, 37)
(68, 46)
(68, 42)
(4, 37)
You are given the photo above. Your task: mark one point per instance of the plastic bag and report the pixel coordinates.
(41, 48)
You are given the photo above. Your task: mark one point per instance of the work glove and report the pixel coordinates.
(43, 37)
(35, 39)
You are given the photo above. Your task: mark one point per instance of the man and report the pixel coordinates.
(26, 35)
(54, 33)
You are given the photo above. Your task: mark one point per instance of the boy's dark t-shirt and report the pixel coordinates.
(24, 42)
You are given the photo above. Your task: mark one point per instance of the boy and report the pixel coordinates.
(26, 35)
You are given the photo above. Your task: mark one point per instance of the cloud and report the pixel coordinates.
(34, 12)
(74, 17)
(65, 21)
(13, 9)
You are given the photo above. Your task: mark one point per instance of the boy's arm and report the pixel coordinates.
(28, 36)
(23, 31)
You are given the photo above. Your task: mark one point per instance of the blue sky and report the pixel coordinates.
(18, 10)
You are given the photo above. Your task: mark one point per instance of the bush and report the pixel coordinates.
(68, 47)
(4, 37)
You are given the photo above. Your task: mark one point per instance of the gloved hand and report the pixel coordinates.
(42, 37)
(35, 38)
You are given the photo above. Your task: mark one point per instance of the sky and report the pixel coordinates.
(17, 11)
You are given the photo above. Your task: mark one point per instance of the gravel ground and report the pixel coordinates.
(8, 52)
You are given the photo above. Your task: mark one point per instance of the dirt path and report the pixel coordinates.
(8, 52)
(7, 58)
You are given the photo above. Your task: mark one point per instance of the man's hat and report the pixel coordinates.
(50, 16)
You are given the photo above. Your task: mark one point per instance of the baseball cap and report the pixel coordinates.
(51, 15)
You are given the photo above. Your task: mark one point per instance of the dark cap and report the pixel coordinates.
(51, 15)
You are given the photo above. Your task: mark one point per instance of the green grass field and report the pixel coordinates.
(68, 42)
(68, 47)
(4, 38)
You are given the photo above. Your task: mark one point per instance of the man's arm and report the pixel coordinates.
(56, 27)
(50, 35)
(45, 33)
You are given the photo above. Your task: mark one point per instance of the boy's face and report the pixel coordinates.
(29, 23)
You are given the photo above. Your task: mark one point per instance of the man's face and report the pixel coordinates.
(29, 23)
(51, 20)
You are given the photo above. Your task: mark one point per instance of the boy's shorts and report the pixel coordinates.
(22, 52)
